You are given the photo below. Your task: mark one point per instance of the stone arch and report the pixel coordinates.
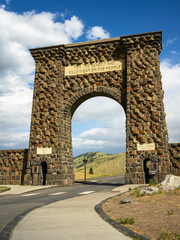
(148, 155)
(77, 99)
(125, 69)
(74, 102)
(42, 159)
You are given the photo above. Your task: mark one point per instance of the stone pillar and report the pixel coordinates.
(47, 123)
(145, 116)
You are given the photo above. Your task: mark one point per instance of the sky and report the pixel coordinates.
(99, 123)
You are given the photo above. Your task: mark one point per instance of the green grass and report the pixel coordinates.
(103, 164)
(169, 236)
(136, 192)
(2, 189)
(125, 221)
(170, 212)
(153, 183)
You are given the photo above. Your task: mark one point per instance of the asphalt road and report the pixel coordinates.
(14, 207)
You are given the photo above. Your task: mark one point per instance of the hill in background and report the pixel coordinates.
(102, 164)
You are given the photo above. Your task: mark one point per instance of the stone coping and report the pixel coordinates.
(108, 40)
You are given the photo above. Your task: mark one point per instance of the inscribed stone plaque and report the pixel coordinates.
(94, 67)
(145, 146)
(44, 150)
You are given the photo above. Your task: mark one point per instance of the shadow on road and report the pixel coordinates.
(100, 183)
(115, 181)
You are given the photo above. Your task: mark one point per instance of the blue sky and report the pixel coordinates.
(27, 24)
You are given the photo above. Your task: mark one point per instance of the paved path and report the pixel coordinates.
(70, 219)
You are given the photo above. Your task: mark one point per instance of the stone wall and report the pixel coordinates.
(174, 151)
(13, 166)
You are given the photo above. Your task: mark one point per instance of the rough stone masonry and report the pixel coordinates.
(125, 69)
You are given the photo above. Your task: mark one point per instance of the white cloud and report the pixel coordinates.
(173, 52)
(97, 32)
(73, 27)
(15, 103)
(18, 33)
(12, 140)
(22, 31)
(109, 136)
(108, 140)
(171, 86)
(170, 41)
(171, 76)
(99, 108)
(32, 29)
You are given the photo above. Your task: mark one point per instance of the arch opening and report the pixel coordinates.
(98, 125)
(44, 172)
(146, 166)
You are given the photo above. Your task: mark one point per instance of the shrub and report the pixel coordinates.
(127, 221)
(152, 182)
(91, 170)
(171, 212)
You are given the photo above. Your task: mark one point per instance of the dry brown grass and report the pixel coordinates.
(156, 217)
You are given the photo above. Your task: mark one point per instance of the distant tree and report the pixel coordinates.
(91, 170)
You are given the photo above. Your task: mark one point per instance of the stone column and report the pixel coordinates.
(145, 116)
(46, 123)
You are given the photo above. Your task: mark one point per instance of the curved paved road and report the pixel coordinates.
(14, 207)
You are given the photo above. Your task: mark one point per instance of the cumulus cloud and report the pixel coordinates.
(99, 108)
(108, 140)
(104, 119)
(97, 32)
(171, 86)
(12, 140)
(18, 33)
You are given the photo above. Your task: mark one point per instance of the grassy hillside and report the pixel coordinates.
(103, 164)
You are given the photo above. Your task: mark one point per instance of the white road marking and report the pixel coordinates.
(29, 194)
(57, 193)
(87, 192)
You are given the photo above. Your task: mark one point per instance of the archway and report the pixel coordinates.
(125, 69)
(44, 172)
(98, 131)
(146, 165)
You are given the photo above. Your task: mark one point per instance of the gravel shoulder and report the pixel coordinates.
(156, 216)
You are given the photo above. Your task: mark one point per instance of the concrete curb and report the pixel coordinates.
(126, 231)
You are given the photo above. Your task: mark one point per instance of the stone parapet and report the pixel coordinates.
(13, 166)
